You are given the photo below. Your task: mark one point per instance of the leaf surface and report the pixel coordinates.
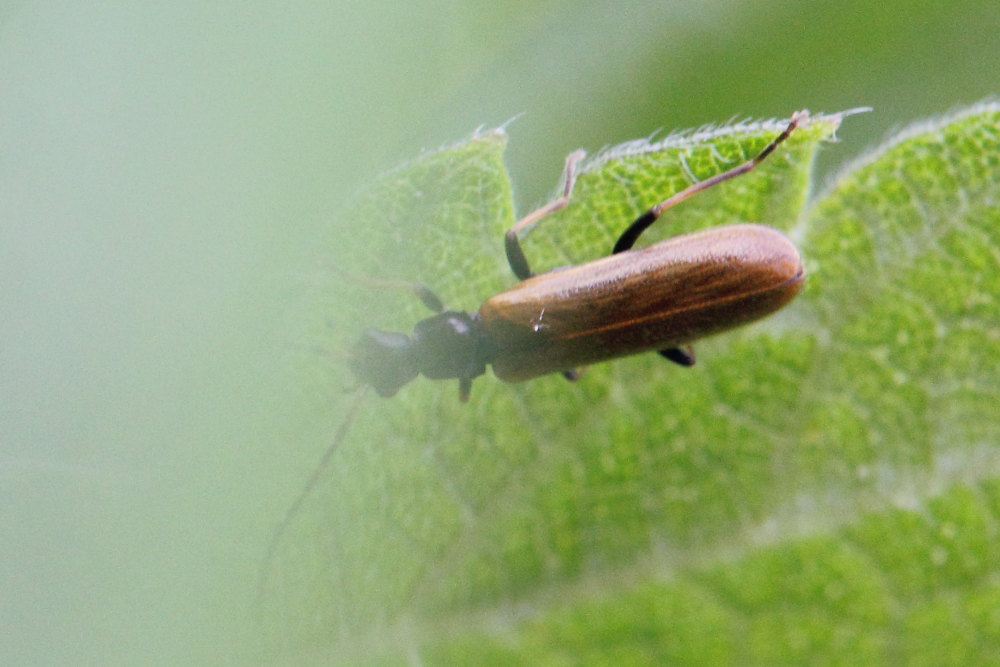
(822, 483)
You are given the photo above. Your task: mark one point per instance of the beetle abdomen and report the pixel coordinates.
(664, 295)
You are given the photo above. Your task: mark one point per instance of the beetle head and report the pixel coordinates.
(384, 360)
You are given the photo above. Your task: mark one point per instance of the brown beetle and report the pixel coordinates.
(661, 298)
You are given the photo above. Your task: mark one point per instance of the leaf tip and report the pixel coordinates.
(899, 135)
(836, 118)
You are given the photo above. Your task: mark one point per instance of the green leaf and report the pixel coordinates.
(822, 486)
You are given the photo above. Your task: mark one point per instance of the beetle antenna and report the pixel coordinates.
(317, 473)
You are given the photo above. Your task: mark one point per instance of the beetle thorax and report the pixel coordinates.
(450, 345)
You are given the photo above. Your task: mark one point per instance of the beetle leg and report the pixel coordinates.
(464, 388)
(635, 230)
(427, 297)
(679, 355)
(574, 374)
(515, 255)
(421, 291)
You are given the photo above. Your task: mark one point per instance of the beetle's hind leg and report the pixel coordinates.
(683, 356)
(515, 255)
(642, 223)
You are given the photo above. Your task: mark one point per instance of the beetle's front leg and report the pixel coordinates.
(421, 291)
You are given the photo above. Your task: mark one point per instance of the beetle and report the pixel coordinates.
(661, 297)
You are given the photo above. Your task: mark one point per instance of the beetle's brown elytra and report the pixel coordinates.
(661, 297)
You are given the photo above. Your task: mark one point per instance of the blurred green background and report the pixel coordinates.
(167, 170)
